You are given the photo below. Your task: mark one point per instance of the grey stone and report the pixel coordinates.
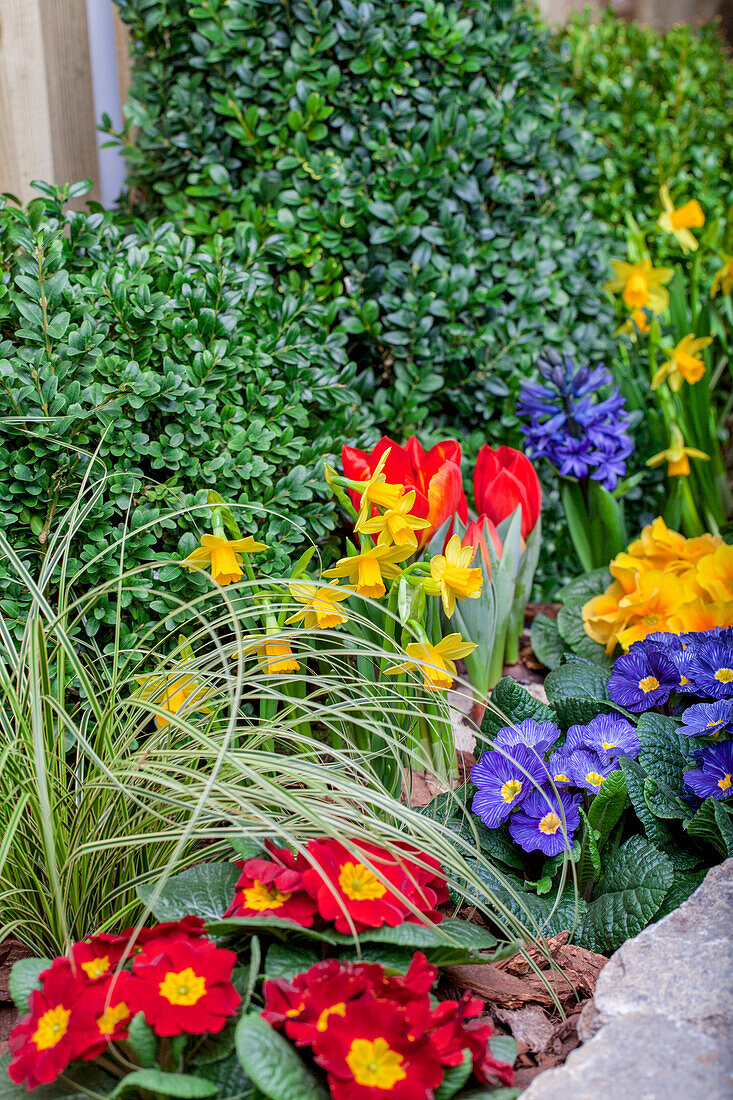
(660, 1026)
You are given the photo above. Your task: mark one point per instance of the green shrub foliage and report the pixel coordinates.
(183, 368)
(420, 164)
(662, 104)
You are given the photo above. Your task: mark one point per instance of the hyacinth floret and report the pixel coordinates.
(578, 434)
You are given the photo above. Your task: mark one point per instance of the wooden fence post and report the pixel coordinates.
(47, 128)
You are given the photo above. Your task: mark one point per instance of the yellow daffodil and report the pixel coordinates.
(319, 600)
(436, 662)
(637, 324)
(376, 491)
(658, 596)
(397, 523)
(681, 220)
(715, 575)
(224, 556)
(723, 277)
(275, 655)
(640, 284)
(683, 364)
(677, 455)
(172, 692)
(366, 570)
(452, 573)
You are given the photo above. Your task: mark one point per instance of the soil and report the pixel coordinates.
(10, 952)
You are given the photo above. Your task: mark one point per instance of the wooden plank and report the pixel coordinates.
(124, 64)
(46, 109)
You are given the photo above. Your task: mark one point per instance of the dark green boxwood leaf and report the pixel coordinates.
(273, 1064)
(205, 890)
(630, 894)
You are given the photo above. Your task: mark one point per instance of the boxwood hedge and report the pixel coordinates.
(183, 368)
(418, 163)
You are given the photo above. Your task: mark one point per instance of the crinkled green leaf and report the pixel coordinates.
(273, 1064)
(547, 644)
(607, 806)
(711, 823)
(24, 979)
(514, 704)
(205, 890)
(183, 1085)
(630, 894)
(286, 960)
(664, 752)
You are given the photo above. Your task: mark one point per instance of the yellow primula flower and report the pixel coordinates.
(224, 556)
(640, 284)
(723, 277)
(658, 547)
(436, 662)
(366, 570)
(173, 692)
(681, 220)
(451, 572)
(683, 363)
(658, 596)
(397, 523)
(319, 600)
(699, 615)
(603, 618)
(715, 575)
(677, 455)
(638, 323)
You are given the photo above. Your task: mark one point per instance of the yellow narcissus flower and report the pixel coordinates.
(376, 491)
(637, 323)
(366, 570)
(681, 220)
(715, 575)
(320, 600)
(723, 277)
(436, 662)
(641, 284)
(396, 523)
(677, 455)
(275, 655)
(224, 556)
(657, 598)
(172, 693)
(451, 572)
(683, 363)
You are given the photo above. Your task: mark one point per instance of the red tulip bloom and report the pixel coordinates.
(184, 986)
(306, 1005)
(478, 534)
(434, 476)
(503, 479)
(367, 1052)
(273, 888)
(342, 884)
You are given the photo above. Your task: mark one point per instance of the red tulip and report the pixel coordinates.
(435, 476)
(478, 533)
(503, 479)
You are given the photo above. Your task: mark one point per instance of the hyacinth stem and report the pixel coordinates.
(576, 514)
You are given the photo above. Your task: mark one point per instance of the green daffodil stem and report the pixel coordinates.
(691, 521)
(496, 662)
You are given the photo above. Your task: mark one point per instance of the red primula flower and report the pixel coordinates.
(97, 957)
(48, 1037)
(416, 982)
(107, 1012)
(503, 479)
(184, 986)
(305, 1006)
(368, 1052)
(434, 476)
(273, 888)
(342, 884)
(457, 1026)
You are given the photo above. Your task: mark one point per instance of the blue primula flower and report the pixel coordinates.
(589, 769)
(546, 821)
(712, 669)
(606, 734)
(579, 435)
(642, 678)
(707, 719)
(504, 782)
(715, 776)
(557, 766)
(538, 735)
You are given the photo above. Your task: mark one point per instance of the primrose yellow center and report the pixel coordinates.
(96, 968)
(374, 1064)
(713, 723)
(259, 897)
(52, 1027)
(649, 683)
(338, 1009)
(183, 988)
(684, 681)
(295, 1010)
(359, 883)
(725, 782)
(595, 778)
(550, 823)
(111, 1017)
(608, 745)
(724, 675)
(561, 776)
(636, 291)
(511, 789)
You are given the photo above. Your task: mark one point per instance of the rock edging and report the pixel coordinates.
(660, 1026)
